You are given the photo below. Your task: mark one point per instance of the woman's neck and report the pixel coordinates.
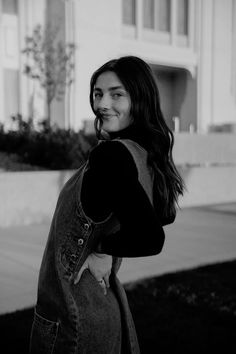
(131, 132)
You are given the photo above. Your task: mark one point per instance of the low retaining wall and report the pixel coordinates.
(219, 148)
(30, 197)
(208, 185)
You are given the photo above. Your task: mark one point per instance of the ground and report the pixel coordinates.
(185, 312)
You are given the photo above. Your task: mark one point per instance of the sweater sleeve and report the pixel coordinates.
(111, 185)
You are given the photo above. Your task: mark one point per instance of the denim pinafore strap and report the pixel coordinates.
(145, 173)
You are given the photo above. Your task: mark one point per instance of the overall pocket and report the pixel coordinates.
(43, 335)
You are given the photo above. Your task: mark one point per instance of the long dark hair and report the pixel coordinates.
(139, 81)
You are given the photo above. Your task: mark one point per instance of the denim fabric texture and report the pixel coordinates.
(78, 318)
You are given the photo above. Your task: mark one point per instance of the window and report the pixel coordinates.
(129, 12)
(156, 15)
(169, 22)
(148, 14)
(182, 17)
(11, 92)
(9, 7)
(163, 15)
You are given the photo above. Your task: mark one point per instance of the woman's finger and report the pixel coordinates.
(106, 279)
(103, 286)
(78, 276)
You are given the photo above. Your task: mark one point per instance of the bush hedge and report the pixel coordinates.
(48, 147)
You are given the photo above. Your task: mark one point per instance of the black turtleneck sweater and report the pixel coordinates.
(111, 185)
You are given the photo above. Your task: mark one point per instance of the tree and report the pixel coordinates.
(50, 61)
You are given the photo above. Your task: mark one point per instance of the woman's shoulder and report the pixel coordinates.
(112, 152)
(109, 149)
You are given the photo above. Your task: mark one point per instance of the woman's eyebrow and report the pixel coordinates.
(116, 88)
(112, 88)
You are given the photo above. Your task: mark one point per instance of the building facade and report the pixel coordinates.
(190, 44)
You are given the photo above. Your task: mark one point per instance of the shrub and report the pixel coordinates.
(49, 147)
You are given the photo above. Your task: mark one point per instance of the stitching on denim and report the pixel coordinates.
(44, 319)
(43, 322)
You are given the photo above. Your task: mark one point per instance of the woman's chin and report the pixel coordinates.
(110, 129)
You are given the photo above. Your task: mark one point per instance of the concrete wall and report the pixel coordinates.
(216, 63)
(205, 149)
(222, 62)
(208, 185)
(206, 162)
(30, 197)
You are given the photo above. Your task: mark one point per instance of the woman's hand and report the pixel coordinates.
(99, 264)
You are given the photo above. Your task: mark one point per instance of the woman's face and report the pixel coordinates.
(112, 102)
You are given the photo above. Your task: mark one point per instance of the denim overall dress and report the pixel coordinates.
(78, 318)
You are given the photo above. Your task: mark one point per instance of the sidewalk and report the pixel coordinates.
(199, 236)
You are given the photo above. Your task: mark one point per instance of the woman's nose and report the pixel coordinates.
(105, 102)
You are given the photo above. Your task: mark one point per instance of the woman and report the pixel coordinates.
(115, 206)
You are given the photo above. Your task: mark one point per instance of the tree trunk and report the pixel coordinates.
(49, 112)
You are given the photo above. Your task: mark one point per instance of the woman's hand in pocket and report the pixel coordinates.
(99, 264)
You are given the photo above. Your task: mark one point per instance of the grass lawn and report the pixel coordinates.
(185, 312)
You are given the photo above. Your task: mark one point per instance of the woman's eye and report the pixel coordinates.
(97, 95)
(116, 95)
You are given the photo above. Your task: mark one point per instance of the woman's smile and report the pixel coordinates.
(108, 116)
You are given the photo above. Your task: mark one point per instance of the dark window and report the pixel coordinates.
(148, 14)
(129, 12)
(182, 19)
(11, 92)
(9, 7)
(163, 15)
(156, 14)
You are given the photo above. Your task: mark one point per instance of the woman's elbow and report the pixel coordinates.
(156, 246)
(160, 240)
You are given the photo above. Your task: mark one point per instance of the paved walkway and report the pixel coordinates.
(199, 236)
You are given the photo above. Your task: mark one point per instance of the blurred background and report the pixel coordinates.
(48, 52)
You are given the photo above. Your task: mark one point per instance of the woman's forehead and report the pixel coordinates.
(108, 79)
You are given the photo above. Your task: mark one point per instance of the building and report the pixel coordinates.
(190, 44)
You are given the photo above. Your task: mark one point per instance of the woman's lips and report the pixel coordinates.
(108, 116)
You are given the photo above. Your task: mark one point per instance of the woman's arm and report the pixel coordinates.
(111, 184)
